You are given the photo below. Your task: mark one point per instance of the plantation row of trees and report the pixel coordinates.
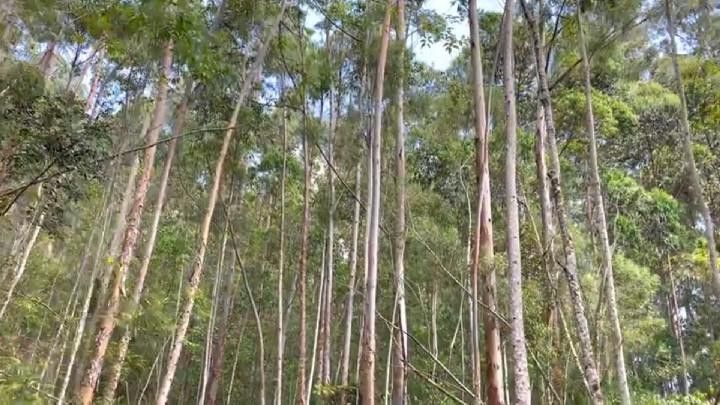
(222, 202)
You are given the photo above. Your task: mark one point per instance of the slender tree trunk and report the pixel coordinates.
(104, 275)
(120, 224)
(22, 265)
(521, 386)
(434, 325)
(690, 167)
(85, 261)
(235, 361)
(400, 343)
(589, 369)
(677, 327)
(95, 85)
(86, 392)
(281, 263)
(482, 250)
(602, 225)
(317, 336)
(218, 357)
(302, 395)
(367, 355)
(80, 329)
(114, 378)
(330, 264)
(47, 59)
(261, 337)
(194, 283)
(70, 306)
(349, 305)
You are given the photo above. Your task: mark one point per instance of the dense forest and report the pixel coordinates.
(278, 201)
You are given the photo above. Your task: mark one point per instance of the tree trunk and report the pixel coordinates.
(434, 325)
(334, 101)
(22, 265)
(521, 386)
(84, 262)
(261, 337)
(281, 262)
(194, 282)
(482, 249)
(86, 392)
(302, 395)
(317, 337)
(609, 279)
(95, 85)
(47, 59)
(367, 355)
(400, 341)
(589, 369)
(350, 303)
(80, 329)
(114, 378)
(677, 327)
(690, 167)
(228, 395)
(218, 351)
(105, 274)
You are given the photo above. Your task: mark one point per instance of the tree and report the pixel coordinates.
(367, 353)
(184, 320)
(589, 368)
(86, 391)
(482, 242)
(689, 156)
(517, 323)
(608, 278)
(400, 341)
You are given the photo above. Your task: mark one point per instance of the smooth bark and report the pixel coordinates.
(367, 355)
(108, 321)
(521, 386)
(595, 189)
(114, 378)
(302, 395)
(482, 260)
(689, 155)
(399, 342)
(195, 276)
(281, 263)
(80, 328)
(350, 302)
(587, 357)
(22, 264)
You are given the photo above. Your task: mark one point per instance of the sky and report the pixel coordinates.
(436, 55)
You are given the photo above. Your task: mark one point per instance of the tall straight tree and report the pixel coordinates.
(368, 346)
(587, 357)
(302, 394)
(521, 384)
(281, 257)
(689, 155)
(482, 241)
(114, 378)
(184, 320)
(595, 189)
(400, 341)
(108, 321)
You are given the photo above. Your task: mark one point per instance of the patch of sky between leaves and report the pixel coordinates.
(434, 54)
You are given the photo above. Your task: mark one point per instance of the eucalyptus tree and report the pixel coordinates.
(482, 259)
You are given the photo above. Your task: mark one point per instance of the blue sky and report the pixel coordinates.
(436, 55)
